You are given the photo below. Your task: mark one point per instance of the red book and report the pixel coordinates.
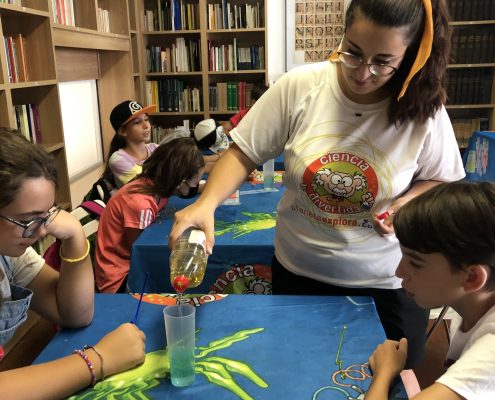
(10, 50)
(20, 49)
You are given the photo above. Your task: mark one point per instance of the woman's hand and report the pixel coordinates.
(383, 223)
(389, 359)
(64, 226)
(122, 349)
(197, 216)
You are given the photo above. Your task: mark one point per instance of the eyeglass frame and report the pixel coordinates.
(43, 221)
(369, 65)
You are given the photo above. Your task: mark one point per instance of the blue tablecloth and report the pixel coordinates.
(244, 236)
(265, 347)
(479, 157)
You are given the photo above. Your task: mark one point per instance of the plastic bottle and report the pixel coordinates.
(269, 175)
(188, 260)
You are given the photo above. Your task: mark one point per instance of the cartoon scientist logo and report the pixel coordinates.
(340, 183)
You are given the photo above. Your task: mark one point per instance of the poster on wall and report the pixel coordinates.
(314, 28)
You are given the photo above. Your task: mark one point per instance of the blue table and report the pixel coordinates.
(479, 157)
(243, 251)
(266, 347)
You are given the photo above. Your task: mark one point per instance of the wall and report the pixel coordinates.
(276, 39)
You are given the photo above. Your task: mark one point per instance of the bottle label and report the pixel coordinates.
(197, 236)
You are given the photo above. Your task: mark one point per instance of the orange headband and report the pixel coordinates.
(424, 50)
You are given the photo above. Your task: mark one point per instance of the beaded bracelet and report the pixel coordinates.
(86, 347)
(74, 260)
(88, 363)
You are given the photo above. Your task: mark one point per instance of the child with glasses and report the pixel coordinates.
(447, 238)
(361, 133)
(174, 168)
(28, 179)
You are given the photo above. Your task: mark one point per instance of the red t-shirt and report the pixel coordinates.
(237, 117)
(113, 254)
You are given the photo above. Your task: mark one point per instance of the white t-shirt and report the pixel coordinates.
(344, 162)
(473, 373)
(21, 271)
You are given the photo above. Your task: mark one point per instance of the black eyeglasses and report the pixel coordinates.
(353, 61)
(30, 227)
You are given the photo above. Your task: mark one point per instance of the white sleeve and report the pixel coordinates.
(440, 158)
(472, 376)
(265, 129)
(26, 267)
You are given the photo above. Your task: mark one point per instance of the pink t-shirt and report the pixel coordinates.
(113, 252)
(125, 167)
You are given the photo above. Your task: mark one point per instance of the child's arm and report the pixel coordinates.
(120, 350)
(386, 363)
(66, 298)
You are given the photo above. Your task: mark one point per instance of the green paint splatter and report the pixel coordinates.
(133, 384)
(257, 222)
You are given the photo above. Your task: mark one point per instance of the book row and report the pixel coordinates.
(184, 55)
(471, 86)
(173, 15)
(28, 122)
(234, 16)
(230, 96)
(231, 57)
(472, 10)
(173, 95)
(473, 45)
(17, 64)
(63, 12)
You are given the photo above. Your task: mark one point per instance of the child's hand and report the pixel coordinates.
(389, 359)
(122, 349)
(64, 226)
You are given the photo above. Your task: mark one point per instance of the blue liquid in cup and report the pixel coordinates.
(182, 365)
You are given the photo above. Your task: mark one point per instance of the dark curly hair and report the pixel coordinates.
(21, 160)
(425, 93)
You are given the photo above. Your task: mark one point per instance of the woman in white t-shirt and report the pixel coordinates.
(361, 134)
(28, 178)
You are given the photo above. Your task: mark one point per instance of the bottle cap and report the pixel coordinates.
(180, 283)
(383, 215)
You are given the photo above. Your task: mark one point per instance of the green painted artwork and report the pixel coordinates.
(135, 383)
(256, 222)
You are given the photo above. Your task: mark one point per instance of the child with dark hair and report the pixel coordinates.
(174, 168)
(447, 238)
(27, 213)
(130, 146)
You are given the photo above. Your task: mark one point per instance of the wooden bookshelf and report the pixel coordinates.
(196, 29)
(58, 48)
(32, 21)
(470, 80)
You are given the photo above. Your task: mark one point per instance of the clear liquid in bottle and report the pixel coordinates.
(188, 260)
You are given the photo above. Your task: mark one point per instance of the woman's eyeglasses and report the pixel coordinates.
(30, 227)
(353, 61)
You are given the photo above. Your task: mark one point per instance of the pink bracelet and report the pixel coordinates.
(102, 372)
(88, 363)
